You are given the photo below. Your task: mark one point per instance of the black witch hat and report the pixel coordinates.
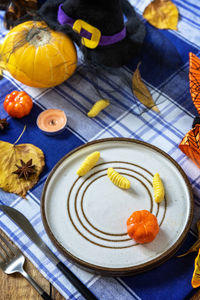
(98, 28)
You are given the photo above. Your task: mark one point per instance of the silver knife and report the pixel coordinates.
(26, 226)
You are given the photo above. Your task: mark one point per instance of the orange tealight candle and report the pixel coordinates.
(52, 121)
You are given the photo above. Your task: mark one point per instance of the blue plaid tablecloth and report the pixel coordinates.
(123, 118)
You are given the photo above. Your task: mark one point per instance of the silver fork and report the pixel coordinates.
(12, 261)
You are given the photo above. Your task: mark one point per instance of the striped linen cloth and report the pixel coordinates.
(168, 84)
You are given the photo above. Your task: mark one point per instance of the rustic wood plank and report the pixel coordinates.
(55, 294)
(15, 286)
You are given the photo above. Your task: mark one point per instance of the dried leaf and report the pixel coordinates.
(195, 247)
(162, 14)
(10, 156)
(196, 274)
(141, 91)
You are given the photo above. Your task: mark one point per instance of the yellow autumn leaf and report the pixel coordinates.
(10, 156)
(162, 14)
(196, 274)
(141, 91)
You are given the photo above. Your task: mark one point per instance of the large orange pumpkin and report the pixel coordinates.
(38, 56)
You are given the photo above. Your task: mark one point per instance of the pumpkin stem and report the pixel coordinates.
(20, 136)
(38, 36)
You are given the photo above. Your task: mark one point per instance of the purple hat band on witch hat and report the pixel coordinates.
(105, 40)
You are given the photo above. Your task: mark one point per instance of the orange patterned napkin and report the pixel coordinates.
(190, 144)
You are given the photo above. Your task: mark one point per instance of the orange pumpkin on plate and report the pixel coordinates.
(142, 226)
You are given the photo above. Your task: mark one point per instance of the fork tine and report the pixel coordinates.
(10, 264)
(8, 244)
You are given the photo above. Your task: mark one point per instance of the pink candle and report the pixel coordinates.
(52, 121)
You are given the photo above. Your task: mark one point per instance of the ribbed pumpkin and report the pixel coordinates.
(38, 56)
(142, 226)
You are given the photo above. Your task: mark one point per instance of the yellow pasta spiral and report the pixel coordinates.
(118, 179)
(158, 188)
(97, 107)
(88, 163)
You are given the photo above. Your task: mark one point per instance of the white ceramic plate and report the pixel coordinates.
(86, 216)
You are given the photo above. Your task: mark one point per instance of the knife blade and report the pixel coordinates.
(26, 226)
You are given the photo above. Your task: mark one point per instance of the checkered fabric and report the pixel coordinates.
(125, 117)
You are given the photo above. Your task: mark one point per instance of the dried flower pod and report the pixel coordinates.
(25, 170)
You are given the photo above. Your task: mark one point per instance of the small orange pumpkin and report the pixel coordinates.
(142, 226)
(18, 104)
(38, 56)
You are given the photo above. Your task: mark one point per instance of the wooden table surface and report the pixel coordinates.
(16, 287)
